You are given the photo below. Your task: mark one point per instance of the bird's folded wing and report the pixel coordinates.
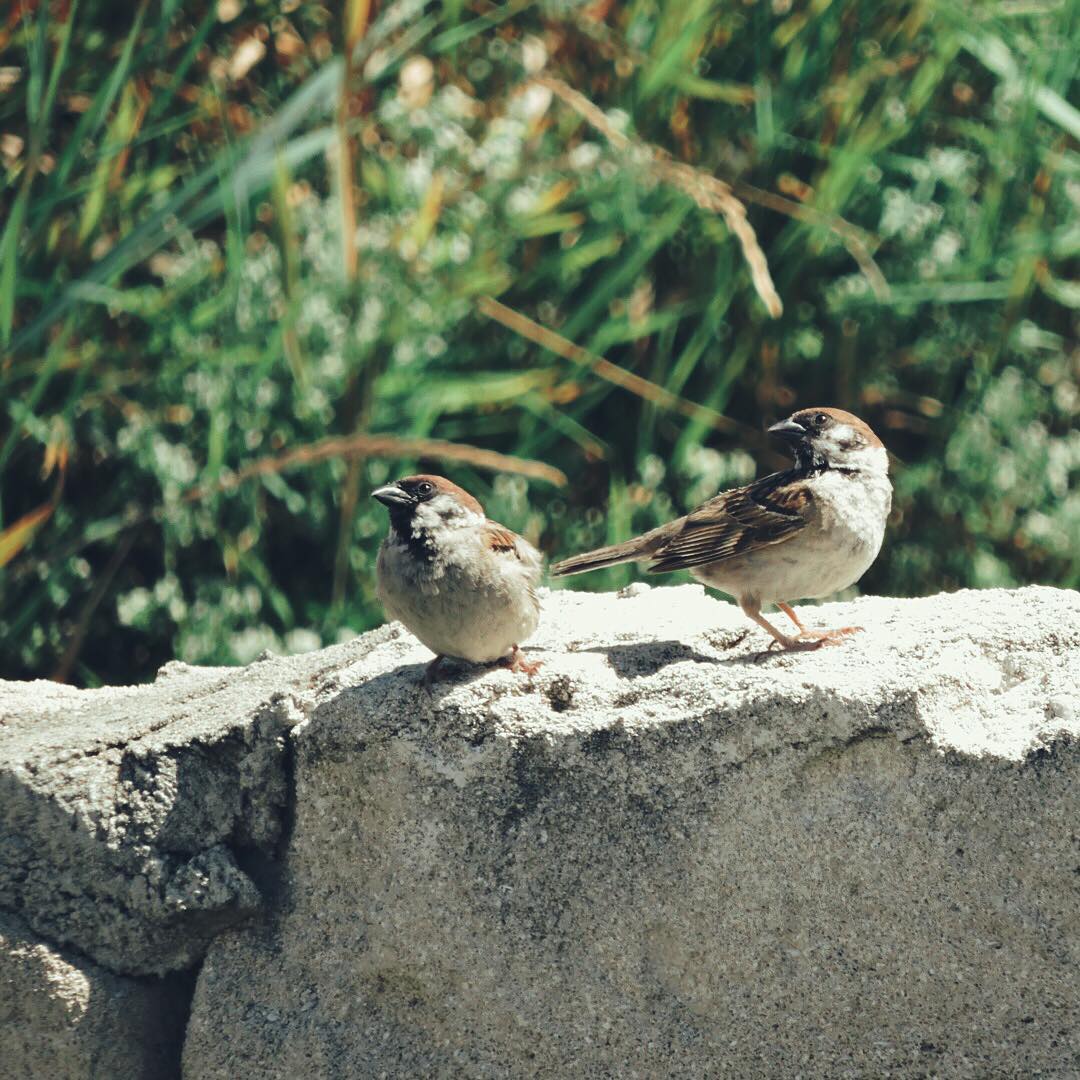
(766, 512)
(502, 540)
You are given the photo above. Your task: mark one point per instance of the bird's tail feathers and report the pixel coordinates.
(630, 551)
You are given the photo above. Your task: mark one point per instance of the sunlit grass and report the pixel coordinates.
(528, 250)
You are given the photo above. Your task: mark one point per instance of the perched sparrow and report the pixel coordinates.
(800, 534)
(465, 586)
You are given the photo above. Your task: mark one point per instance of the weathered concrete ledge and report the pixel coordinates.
(666, 855)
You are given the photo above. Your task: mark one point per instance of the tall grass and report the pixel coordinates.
(254, 260)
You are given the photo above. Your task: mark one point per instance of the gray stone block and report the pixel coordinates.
(669, 855)
(133, 819)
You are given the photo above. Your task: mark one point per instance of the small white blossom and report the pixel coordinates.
(585, 155)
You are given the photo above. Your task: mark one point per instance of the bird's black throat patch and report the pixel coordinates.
(420, 542)
(808, 460)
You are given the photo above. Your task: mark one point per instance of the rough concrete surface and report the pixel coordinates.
(670, 855)
(133, 819)
(63, 1018)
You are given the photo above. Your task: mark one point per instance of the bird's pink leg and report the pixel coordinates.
(752, 610)
(820, 637)
(516, 662)
(789, 611)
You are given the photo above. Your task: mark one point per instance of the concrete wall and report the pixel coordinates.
(669, 854)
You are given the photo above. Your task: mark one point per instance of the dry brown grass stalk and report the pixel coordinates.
(388, 446)
(643, 388)
(356, 22)
(856, 240)
(707, 191)
(719, 196)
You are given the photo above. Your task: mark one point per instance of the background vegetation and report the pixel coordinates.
(241, 276)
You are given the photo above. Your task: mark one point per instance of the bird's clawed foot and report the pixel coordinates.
(516, 662)
(828, 637)
(809, 640)
(805, 640)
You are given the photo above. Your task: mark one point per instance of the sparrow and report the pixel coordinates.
(804, 533)
(464, 585)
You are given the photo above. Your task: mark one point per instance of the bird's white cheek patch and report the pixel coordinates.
(441, 511)
(838, 440)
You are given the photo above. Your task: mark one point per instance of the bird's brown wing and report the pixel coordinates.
(500, 538)
(506, 542)
(769, 511)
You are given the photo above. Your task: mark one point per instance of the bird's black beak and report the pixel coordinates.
(391, 495)
(788, 430)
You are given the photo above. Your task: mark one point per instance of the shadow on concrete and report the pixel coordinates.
(643, 658)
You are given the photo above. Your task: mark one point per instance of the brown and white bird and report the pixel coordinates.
(801, 534)
(464, 585)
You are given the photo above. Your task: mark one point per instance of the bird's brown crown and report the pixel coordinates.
(808, 418)
(442, 487)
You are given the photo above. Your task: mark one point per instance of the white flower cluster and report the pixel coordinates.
(259, 293)
(905, 216)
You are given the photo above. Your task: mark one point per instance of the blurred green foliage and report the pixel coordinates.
(176, 302)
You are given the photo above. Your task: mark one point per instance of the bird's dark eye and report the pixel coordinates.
(424, 488)
(821, 419)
